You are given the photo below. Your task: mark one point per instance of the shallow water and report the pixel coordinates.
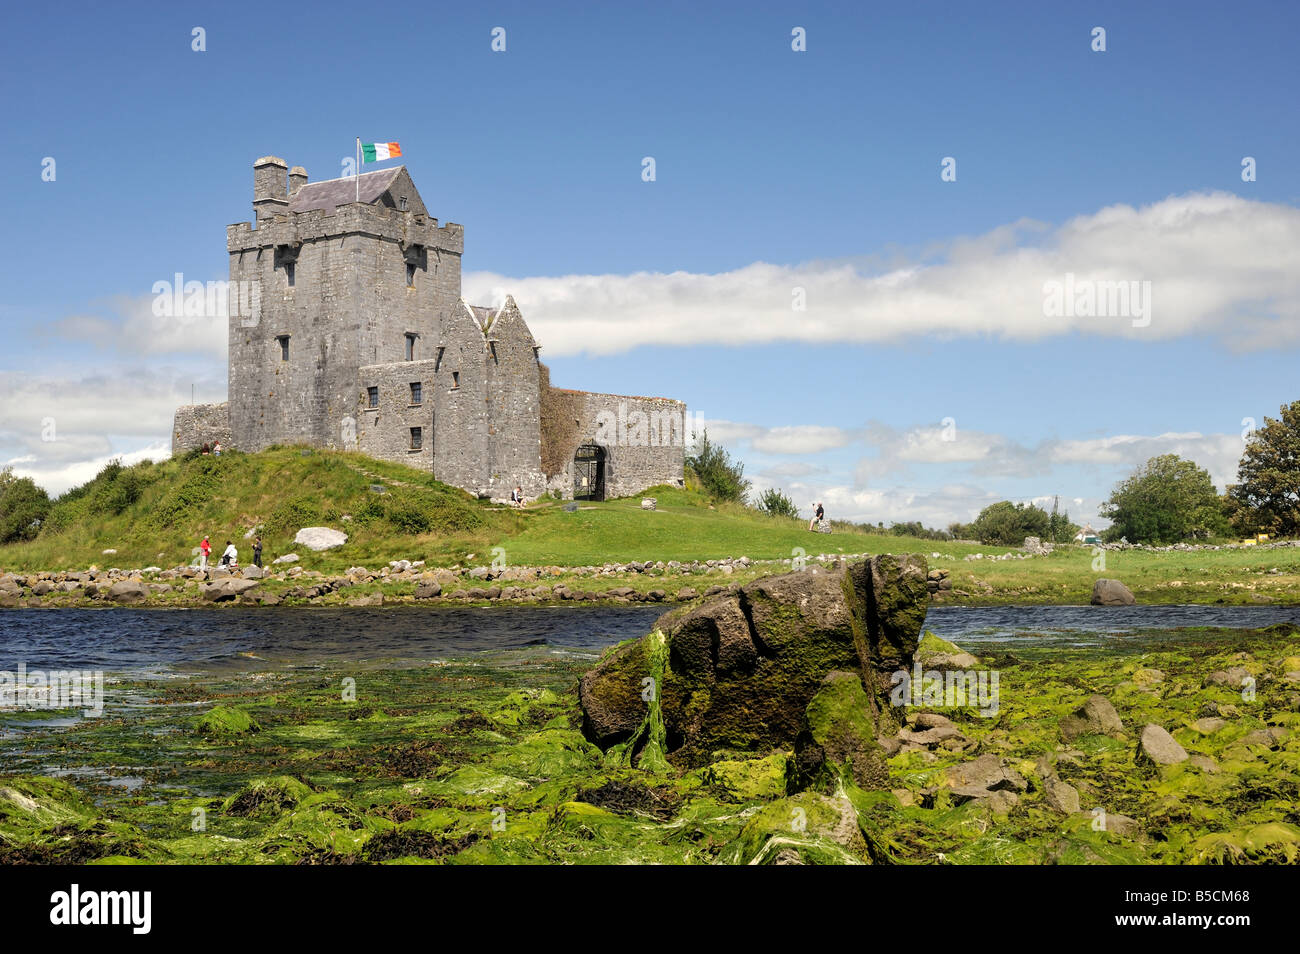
(158, 642)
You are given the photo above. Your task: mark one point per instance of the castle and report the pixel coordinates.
(356, 338)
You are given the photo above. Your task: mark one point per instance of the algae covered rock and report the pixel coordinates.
(739, 669)
(221, 722)
(808, 828)
(838, 742)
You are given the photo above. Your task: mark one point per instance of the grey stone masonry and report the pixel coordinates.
(359, 288)
(197, 424)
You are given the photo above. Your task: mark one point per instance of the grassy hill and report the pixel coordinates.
(156, 513)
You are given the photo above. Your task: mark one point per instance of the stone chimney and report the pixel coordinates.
(269, 193)
(297, 179)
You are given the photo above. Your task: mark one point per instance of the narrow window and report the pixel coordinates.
(410, 275)
(402, 203)
(373, 394)
(417, 438)
(288, 272)
(455, 380)
(284, 346)
(410, 346)
(417, 392)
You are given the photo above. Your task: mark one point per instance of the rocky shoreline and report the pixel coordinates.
(401, 581)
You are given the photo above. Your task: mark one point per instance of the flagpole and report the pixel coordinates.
(358, 168)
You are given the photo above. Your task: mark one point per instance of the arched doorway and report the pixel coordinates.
(589, 473)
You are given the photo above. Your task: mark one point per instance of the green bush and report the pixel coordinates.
(776, 504)
(719, 476)
(23, 507)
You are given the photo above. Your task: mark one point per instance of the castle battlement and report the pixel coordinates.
(355, 218)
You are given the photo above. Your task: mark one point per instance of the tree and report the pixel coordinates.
(1166, 500)
(1268, 477)
(1007, 524)
(776, 504)
(720, 476)
(23, 507)
(1059, 527)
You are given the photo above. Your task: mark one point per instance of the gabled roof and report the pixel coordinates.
(331, 193)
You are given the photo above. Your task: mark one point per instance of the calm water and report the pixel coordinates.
(145, 641)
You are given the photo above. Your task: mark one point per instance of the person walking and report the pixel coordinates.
(257, 552)
(205, 550)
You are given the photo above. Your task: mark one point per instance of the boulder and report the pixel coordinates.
(252, 572)
(1095, 717)
(427, 591)
(287, 558)
(128, 591)
(320, 538)
(1233, 678)
(1111, 593)
(221, 591)
(1061, 796)
(988, 773)
(648, 503)
(739, 669)
(838, 741)
(1160, 747)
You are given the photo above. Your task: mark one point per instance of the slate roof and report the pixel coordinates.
(330, 193)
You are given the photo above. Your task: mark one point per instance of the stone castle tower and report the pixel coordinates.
(357, 338)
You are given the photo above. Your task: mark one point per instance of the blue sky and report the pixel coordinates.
(775, 170)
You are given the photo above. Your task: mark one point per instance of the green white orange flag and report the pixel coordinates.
(379, 151)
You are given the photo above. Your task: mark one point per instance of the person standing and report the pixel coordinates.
(257, 552)
(205, 550)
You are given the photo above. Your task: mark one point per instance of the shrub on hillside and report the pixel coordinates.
(719, 476)
(776, 504)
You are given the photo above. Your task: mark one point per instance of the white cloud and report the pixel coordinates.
(132, 328)
(1217, 264)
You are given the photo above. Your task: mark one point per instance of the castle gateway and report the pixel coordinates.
(348, 331)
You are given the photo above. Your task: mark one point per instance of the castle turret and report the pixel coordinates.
(270, 195)
(297, 179)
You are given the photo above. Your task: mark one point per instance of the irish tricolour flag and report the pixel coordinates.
(379, 151)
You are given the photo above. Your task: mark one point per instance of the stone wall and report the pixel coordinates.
(385, 431)
(643, 438)
(197, 424)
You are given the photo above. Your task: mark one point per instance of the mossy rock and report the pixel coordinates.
(837, 745)
(808, 828)
(740, 668)
(746, 780)
(223, 722)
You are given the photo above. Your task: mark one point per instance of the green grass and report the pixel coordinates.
(685, 527)
(156, 513)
